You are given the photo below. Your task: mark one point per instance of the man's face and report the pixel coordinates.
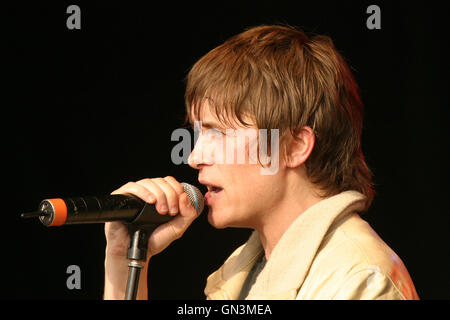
(239, 194)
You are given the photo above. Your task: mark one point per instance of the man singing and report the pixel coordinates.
(309, 241)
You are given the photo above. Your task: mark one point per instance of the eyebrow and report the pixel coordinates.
(211, 124)
(208, 124)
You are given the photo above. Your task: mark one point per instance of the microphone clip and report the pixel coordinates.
(140, 229)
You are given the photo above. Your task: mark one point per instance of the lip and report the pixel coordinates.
(207, 183)
(211, 196)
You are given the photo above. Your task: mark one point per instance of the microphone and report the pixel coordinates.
(119, 207)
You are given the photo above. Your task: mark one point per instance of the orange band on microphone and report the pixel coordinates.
(60, 209)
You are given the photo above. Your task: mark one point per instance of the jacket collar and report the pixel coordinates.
(285, 271)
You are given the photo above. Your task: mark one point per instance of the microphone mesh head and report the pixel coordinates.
(195, 197)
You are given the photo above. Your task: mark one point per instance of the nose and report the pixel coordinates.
(203, 153)
(194, 161)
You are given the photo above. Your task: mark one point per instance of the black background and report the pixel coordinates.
(85, 111)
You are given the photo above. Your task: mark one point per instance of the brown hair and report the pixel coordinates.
(283, 79)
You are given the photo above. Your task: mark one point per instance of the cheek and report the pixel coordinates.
(239, 147)
(245, 183)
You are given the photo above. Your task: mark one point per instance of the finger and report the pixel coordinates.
(158, 192)
(137, 190)
(171, 195)
(179, 189)
(177, 186)
(187, 210)
(187, 215)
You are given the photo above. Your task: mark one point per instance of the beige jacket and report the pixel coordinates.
(328, 252)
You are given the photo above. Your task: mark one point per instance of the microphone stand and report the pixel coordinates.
(140, 229)
(137, 254)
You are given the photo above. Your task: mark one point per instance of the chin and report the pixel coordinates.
(215, 221)
(222, 220)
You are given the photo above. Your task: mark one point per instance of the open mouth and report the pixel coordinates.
(212, 190)
(213, 193)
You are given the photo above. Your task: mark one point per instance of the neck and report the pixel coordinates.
(275, 223)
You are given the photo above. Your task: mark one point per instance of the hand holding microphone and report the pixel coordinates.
(170, 199)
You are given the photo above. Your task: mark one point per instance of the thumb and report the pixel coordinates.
(187, 210)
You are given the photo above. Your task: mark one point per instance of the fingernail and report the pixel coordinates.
(163, 208)
(173, 210)
(151, 198)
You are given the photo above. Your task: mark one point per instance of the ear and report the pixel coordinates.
(300, 147)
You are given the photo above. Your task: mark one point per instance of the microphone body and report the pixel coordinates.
(99, 209)
(82, 210)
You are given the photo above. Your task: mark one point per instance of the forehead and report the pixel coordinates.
(207, 113)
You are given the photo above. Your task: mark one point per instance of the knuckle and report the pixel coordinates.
(145, 180)
(159, 194)
(160, 199)
(158, 180)
(176, 234)
(174, 184)
(165, 192)
(170, 178)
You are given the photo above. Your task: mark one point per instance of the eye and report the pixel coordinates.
(230, 133)
(213, 132)
(219, 131)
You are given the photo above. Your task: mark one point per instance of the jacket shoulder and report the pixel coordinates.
(353, 262)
